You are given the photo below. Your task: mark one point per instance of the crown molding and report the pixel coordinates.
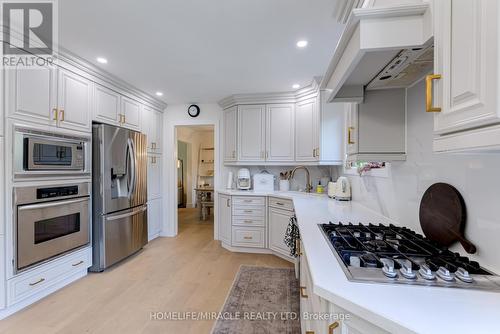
(308, 92)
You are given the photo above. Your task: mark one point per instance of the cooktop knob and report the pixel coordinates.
(426, 272)
(388, 268)
(407, 272)
(463, 275)
(445, 274)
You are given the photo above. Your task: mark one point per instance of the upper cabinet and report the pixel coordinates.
(280, 129)
(289, 128)
(107, 105)
(31, 94)
(230, 127)
(466, 79)
(151, 125)
(251, 133)
(74, 101)
(130, 111)
(307, 123)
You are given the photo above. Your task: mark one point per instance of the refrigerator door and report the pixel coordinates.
(119, 235)
(120, 168)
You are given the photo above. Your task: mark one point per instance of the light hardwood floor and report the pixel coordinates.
(190, 272)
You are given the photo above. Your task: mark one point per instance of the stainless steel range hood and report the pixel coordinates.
(381, 48)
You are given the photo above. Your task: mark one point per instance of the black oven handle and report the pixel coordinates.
(53, 204)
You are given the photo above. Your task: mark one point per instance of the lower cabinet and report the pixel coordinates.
(334, 319)
(154, 218)
(224, 214)
(278, 221)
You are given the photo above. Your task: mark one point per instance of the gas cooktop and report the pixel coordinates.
(397, 255)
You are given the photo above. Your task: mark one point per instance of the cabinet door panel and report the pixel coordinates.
(230, 136)
(151, 126)
(466, 56)
(306, 135)
(278, 223)
(31, 94)
(352, 128)
(154, 218)
(75, 99)
(131, 110)
(251, 132)
(280, 142)
(154, 176)
(224, 214)
(107, 105)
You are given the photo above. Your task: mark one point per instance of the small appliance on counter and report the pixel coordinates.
(332, 189)
(263, 182)
(229, 184)
(243, 181)
(343, 189)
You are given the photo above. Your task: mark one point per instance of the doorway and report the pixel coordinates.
(196, 171)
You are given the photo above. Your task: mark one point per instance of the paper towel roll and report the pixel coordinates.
(229, 184)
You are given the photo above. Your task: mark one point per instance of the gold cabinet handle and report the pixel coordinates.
(314, 153)
(279, 203)
(247, 238)
(62, 115)
(37, 282)
(310, 332)
(248, 221)
(317, 152)
(302, 292)
(78, 263)
(332, 327)
(56, 114)
(428, 93)
(227, 203)
(349, 135)
(297, 247)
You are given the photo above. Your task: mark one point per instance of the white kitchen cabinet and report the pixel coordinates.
(154, 176)
(230, 134)
(151, 125)
(224, 214)
(74, 98)
(130, 111)
(154, 218)
(332, 124)
(307, 130)
(280, 132)
(467, 59)
(106, 105)
(376, 128)
(31, 94)
(251, 133)
(278, 223)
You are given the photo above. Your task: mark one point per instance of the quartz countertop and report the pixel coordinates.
(395, 308)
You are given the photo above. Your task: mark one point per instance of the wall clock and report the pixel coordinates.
(193, 110)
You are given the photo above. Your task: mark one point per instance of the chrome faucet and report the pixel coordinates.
(308, 179)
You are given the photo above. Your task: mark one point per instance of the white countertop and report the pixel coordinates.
(395, 308)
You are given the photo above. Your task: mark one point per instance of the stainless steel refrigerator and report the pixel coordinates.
(119, 175)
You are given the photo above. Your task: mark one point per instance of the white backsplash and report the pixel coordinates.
(299, 181)
(476, 176)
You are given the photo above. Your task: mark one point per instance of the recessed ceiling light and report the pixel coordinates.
(296, 86)
(159, 94)
(302, 44)
(102, 60)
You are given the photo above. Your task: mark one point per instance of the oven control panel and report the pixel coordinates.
(43, 193)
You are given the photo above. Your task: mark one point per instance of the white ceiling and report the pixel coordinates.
(202, 50)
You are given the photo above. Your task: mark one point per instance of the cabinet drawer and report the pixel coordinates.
(249, 211)
(249, 237)
(33, 281)
(248, 221)
(248, 200)
(284, 204)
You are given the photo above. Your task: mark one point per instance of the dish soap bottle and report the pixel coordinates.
(320, 189)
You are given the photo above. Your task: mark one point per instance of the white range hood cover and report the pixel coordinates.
(374, 37)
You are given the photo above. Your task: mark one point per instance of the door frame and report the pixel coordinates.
(170, 226)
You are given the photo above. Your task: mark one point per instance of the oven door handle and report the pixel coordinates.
(125, 215)
(53, 204)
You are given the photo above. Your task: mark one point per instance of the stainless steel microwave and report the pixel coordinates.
(40, 153)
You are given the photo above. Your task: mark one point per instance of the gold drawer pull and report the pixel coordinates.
(37, 282)
(297, 247)
(310, 332)
(248, 211)
(332, 327)
(279, 203)
(248, 201)
(428, 93)
(247, 238)
(56, 114)
(248, 221)
(77, 264)
(302, 292)
(349, 135)
(62, 115)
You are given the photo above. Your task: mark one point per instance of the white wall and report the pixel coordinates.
(176, 115)
(475, 176)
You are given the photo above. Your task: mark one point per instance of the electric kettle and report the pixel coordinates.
(343, 189)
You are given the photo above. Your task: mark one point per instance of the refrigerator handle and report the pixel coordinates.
(131, 152)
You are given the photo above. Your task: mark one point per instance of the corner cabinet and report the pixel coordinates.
(466, 63)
